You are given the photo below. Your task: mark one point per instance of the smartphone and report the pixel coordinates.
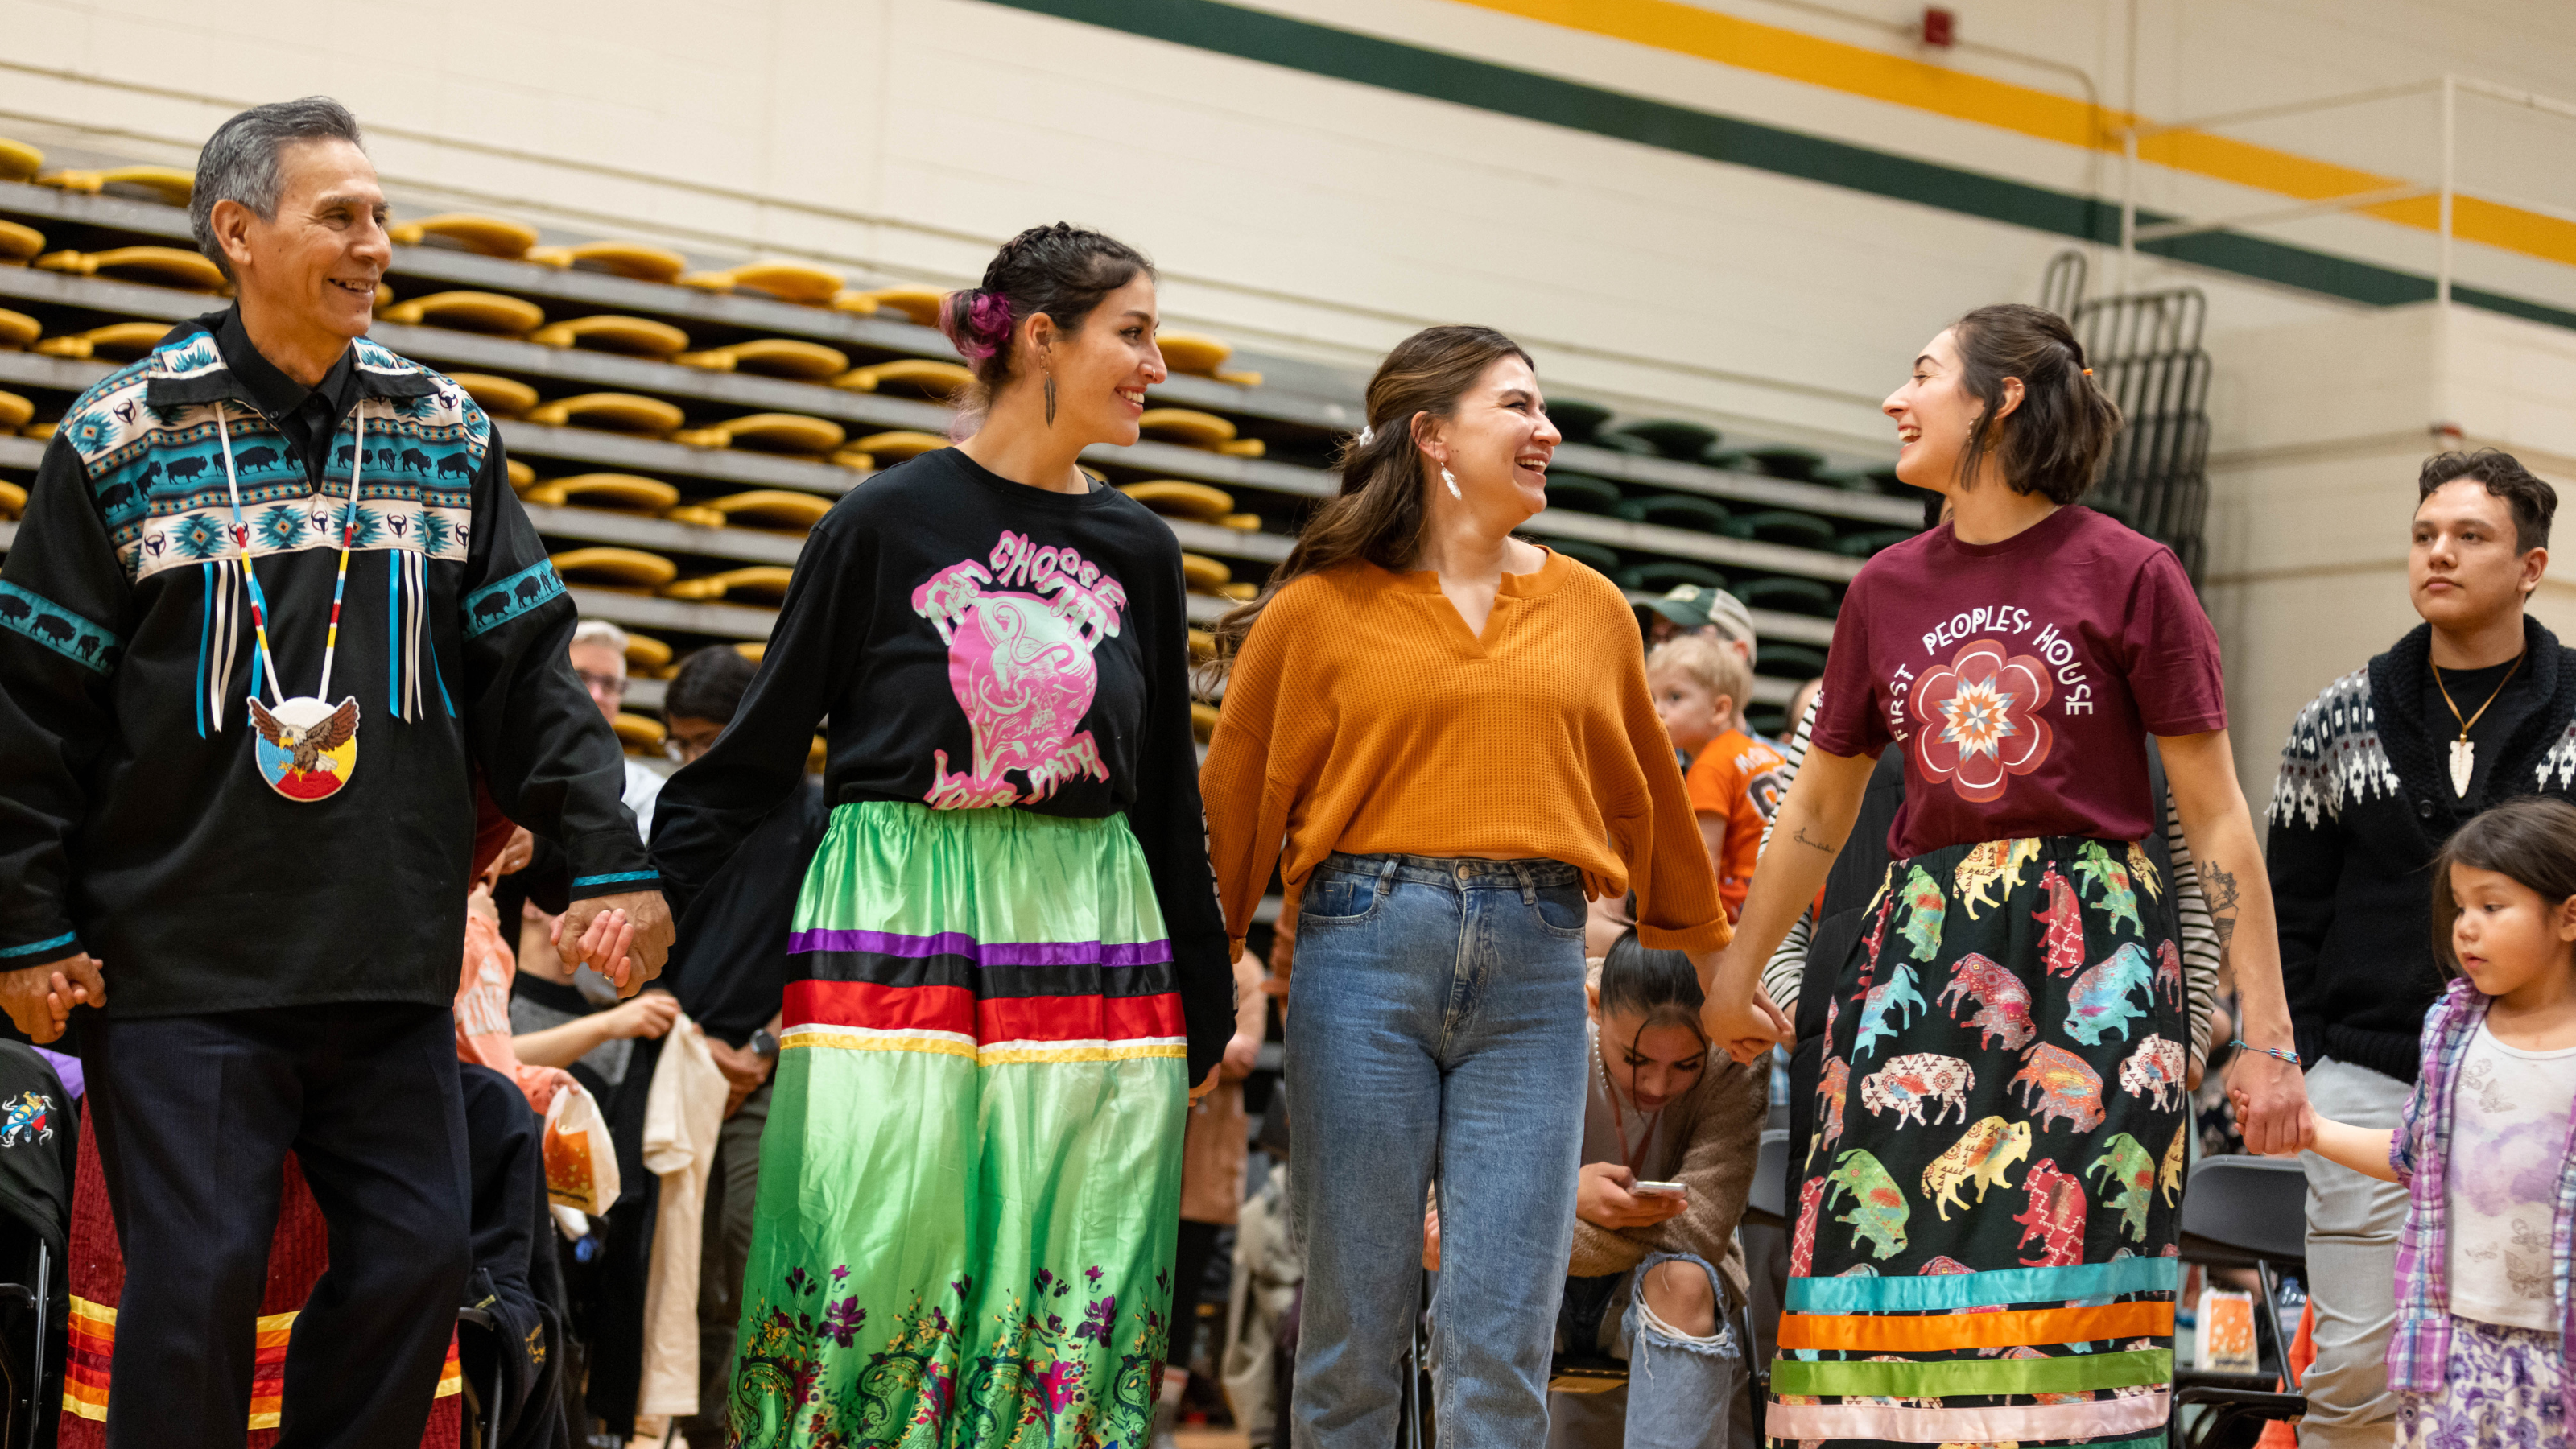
(1661, 1189)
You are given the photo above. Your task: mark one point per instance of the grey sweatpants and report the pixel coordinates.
(2352, 1268)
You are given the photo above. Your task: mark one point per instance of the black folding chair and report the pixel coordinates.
(486, 1430)
(1413, 1427)
(2244, 1212)
(38, 1299)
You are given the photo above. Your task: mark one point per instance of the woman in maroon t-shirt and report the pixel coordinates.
(2002, 1120)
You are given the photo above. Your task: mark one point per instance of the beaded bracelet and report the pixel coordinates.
(2290, 1056)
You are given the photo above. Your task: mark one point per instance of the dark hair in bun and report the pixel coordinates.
(1059, 269)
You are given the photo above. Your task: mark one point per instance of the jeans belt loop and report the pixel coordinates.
(1386, 868)
(1529, 881)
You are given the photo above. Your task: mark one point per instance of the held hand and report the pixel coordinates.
(2272, 1100)
(1745, 1025)
(1431, 1240)
(1605, 1196)
(744, 1069)
(1207, 1083)
(1242, 1053)
(634, 961)
(40, 998)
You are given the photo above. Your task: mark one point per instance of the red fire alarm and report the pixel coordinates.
(1940, 26)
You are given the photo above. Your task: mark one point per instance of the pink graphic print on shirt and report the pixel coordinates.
(1020, 665)
(1982, 720)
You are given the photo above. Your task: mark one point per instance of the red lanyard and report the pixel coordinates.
(1618, 1120)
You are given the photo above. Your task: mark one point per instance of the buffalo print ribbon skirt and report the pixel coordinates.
(970, 1180)
(1983, 1240)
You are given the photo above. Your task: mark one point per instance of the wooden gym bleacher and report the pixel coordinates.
(711, 386)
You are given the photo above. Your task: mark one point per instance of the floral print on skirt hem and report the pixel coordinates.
(2500, 1390)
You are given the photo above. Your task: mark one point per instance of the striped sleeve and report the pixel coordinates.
(1787, 968)
(2198, 939)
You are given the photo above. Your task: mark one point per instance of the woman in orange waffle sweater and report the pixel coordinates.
(1442, 735)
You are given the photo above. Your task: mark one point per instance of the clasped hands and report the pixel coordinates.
(40, 998)
(625, 938)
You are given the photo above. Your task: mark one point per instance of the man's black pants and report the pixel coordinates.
(195, 1116)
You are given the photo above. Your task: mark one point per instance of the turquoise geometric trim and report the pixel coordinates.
(65, 939)
(57, 628)
(494, 605)
(620, 878)
(1949, 1292)
(1392, 65)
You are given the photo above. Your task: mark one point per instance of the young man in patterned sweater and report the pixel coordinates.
(2474, 706)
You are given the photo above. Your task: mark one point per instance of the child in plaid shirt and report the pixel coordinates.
(2487, 1145)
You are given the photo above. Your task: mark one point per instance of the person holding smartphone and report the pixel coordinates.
(1670, 1130)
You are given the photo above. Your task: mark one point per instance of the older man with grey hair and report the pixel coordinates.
(272, 611)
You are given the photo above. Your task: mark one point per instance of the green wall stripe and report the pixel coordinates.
(1483, 85)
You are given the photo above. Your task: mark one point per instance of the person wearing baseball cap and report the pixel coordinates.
(1699, 609)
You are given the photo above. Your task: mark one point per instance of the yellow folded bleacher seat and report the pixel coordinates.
(622, 491)
(117, 341)
(788, 281)
(522, 477)
(919, 305)
(763, 582)
(158, 266)
(1194, 429)
(1176, 499)
(778, 432)
(502, 397)
(1241, 522)
(645, 654)
(13, 499)
(15, 411)
(492, 236)
(776, 508)
(17, 329)
(771, 357)
(639, 260)
(917, 376)
(889, 448)
(1201, 356)
(621, 412)
(19, 161)
(1203, 574)
(169, 185)
(470, 312)
(616, 568)
(19, 243)
(633, 336)
(640, 734)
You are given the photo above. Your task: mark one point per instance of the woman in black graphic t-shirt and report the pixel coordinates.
(2001, 1114)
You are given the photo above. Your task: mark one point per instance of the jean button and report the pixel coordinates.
(1462, 872)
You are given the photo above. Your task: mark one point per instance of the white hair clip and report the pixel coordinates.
(1368, 435)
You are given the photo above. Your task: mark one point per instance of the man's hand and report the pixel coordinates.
(2272, 1104)
(1207, 1083)
(625, 938)
(40, 998)
(744, 1072)
(1605, 1196)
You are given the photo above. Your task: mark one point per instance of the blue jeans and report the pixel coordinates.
(1436, 1029)
(1682, 1390)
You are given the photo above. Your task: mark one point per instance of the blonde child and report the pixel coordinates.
(2484, 1146)
(1700, 686)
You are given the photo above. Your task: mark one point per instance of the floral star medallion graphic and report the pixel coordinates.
(1980, 718)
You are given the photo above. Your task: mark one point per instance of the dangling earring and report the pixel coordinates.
(1452, 480)
(1050, 392)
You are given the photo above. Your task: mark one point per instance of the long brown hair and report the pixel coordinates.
(1379, 514)
(2054, 443)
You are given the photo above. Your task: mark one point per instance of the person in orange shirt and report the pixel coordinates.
(1699, 686)
(1410, 655)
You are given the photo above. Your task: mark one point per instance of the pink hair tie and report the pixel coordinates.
(985, 327)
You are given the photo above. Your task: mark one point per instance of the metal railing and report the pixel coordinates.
(2450, 88)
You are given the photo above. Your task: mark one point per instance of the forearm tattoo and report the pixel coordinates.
(2220, 887)
(1803, 839)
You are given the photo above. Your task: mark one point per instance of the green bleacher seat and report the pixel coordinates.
(1581, 492)
(1886, 481)
(1867, 545)
(1577, 420)
(1787, 462)
(1673, 437)
(1680, 510)
(1788, 661)
(1600, 559)
(1730, 459)
(1797, 530)
(1665, 575)
(1789, 596)
(1618, 441)
(1850, 480)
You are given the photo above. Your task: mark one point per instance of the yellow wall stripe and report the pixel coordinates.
(1684, 29)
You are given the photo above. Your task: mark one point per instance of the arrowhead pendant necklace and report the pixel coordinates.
(2464, 755)
(307, 748)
